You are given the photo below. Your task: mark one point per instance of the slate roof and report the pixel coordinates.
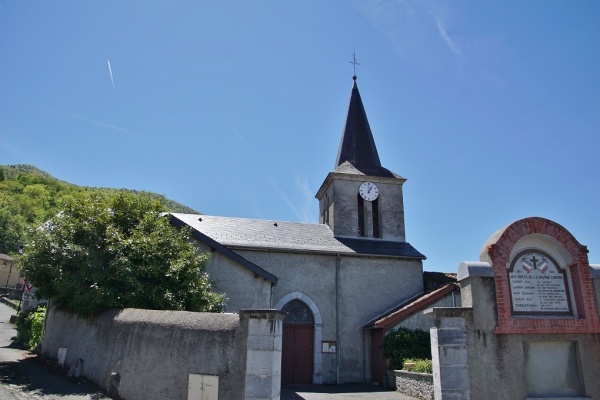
(357, 146)
(289, 236)
(224, 250)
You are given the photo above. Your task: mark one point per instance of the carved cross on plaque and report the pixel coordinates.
(534, 261)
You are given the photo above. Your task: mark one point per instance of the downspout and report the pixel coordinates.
(337, 320)
(453, 299)
(271, 296)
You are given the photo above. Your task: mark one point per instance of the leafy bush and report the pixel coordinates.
(23, 324)
(403, 343)
(30, 325)
(37, 326)
(103, 252)
(421, 365)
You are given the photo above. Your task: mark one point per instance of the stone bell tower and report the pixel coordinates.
(360, 198)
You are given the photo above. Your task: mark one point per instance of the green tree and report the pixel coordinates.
(13, 227)
(117, 251)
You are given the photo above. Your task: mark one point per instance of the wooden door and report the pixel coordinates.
(378, 361)
(297, 354)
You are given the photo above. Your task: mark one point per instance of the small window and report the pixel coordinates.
(298, 312)
(361, 216)
(375, 205)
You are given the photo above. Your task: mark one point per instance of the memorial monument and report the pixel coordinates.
(529, 327)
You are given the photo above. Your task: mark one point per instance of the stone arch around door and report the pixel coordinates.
(317, 376)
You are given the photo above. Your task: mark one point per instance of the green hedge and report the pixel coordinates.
(403, 343)
(421, 365)
(30, 325)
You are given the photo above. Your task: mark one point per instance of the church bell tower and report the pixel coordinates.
(360, 198)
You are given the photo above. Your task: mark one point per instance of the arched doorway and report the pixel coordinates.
(298, 343)
(317, 357)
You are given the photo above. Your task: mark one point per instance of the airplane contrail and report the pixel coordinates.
(111, 75)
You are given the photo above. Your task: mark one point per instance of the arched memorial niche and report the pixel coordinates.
(523, 244)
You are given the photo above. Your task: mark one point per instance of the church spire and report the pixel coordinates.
(357, 147)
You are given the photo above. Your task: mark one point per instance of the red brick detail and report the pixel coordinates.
(587, 320)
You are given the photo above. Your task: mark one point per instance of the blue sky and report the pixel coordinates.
(490, 109)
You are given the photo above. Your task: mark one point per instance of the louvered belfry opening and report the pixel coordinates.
(361, 216)
(375, 213)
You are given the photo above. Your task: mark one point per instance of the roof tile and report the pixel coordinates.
(290, 236)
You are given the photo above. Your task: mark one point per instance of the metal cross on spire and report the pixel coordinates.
(354, 64)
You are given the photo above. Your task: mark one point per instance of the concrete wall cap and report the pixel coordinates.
(263, 313)
(595, 271)
(173, 319)
(448, 312)
(472, 269)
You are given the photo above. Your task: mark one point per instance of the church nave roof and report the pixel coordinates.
(290, 236)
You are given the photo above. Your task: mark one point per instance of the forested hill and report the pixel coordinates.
(30, 196)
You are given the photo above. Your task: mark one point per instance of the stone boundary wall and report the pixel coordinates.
(415, 384)
(148, 354)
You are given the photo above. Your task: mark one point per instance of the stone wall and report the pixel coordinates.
(505, 357)
(529, 323)
(415, 384)
(148, 354)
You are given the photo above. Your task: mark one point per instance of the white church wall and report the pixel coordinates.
(345, 212)
(370, 286)
(391, 200)
(313, 275)
(242, 289)
(345, 215)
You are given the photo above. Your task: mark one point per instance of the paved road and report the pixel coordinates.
(341, 392)
(23, 377)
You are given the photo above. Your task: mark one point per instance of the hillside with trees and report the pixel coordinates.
(90, 249)
(29, 197)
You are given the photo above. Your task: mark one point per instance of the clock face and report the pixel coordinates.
(368, 191)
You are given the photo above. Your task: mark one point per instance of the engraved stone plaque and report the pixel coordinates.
(538, 286)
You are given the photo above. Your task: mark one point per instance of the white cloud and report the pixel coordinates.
(301, 204)
(411, 25)
(446, 38)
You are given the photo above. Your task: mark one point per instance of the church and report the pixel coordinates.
(344, 282)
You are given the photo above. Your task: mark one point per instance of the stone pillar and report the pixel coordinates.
(263, 359)
(318, 356)
(449, 353)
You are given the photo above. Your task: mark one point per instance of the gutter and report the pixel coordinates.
(337, 319)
